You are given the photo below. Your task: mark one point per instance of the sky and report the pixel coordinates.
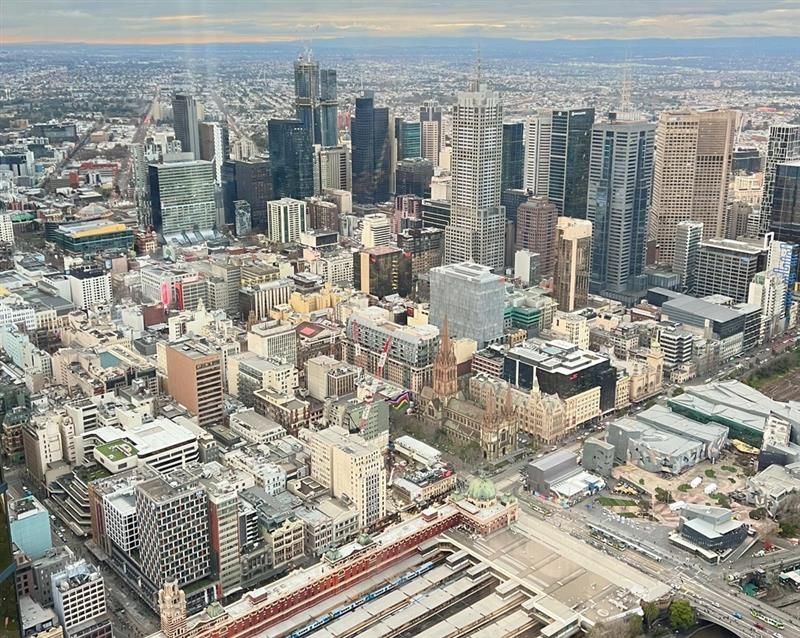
(205, 21)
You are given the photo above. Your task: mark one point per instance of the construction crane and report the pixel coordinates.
(382, 359)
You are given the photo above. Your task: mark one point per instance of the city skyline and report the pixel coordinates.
(183, 22)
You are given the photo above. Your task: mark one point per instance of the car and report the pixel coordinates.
(737, 615)
(759, 626)
(777, 634)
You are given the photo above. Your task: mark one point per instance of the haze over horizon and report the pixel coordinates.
(249, 21)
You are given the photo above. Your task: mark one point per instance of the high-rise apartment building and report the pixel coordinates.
(470, 299)
(768, 290)
(570, 145)
(187, 130)
(538, 131)
(322, 215)
(316, 101)
(783, 146)
(173, 528)
(194, 379)
(328, 108)
(688, 236)
(573, 263)
(477, 220)
(620, 182)
(182, 196)
(783, 258)
(430, 119)
(287, 219)
(79, 600)
(513, 157)
(536, 231)
(690, 178)
(372, 152)
(785, 214)
(726, 267)
(214, 146)
(376, 230)
(291, 158)
(332, 168)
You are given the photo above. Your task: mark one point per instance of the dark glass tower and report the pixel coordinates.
(316, 100)
(291, 159)
(329, 108)
(371, 151)
(254, 186)
(229, 190)
(408, 138)
(513, 156)
(785, 221)
(570, 143)
(187, 128)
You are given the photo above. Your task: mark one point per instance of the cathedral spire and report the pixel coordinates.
(535, 385)
(445, 366)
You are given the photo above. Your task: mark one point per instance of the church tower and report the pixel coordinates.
(445, 367)
(172, 609)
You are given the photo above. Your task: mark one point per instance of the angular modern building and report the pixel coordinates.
(785, 212)
(372, 151)
(570, 147)
(573, 249)
(471, 299)
(783, 146)
(381, 271)
(291, 158)
(407, 139)
(187, 128)
(430, 118)
(182, 196)
(513, 162)
(315, 102)
(620, 183)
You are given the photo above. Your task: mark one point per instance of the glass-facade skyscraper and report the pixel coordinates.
(513, 155)
(328, 108)
(620, 183)
(786, 202)
(182, 196)
(570, 143)
(408, 138)
(372, 157)
(291, 159)
(187, 128)
(316, 100)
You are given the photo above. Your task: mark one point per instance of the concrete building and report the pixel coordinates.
(195, 374)
(773, 486)
(182, 196)
(376, 230)
(259, 299)
(768, 290)
(89, 287)
(726, 267)
(332, 169)
(79, 599)
(30, 526)
(597, 456)
(287, 219)
(572, 327)
(273, 340)
(213, 139)
(536, 231)
(573, 248)
(457, 290)
(538, 132)
(431, 133)
(688, 235)
(382, 271)
(558, 474)
(690, 179)
(712, 528)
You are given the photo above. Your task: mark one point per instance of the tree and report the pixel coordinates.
(651, 613)
(681, 614)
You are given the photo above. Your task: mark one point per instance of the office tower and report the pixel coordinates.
(382, 271)
(322, 215)
(426, 247)
(746, 160)
(768, 290)
(372, 155)
(332, 168)
(244, 217)
(783, 258)
(688, 236)
(726, 267)
(328, 108)
(79, 600)
(413, 177)
(376, 230)
(435, 213)
(785, 213)
(513, 162)
(430, 119)
(741, 221)
(89, 286)
(139, 184)
(194, 379)
(783, 146)
(536, 231)
(570, 145)
(173, 528)
(187, 130)
(287, 219)
(690, 178)
(182, 196)
(471, 299)
(620, 182)
(527, 267)
(538, 131)
(573, 248)
(407, 139)
(254, 185)
(291, 159)
(306, 92)
(214, 146)
(228, 177)
(477, 220)
(349, 465)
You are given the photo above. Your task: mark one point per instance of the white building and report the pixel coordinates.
(119, 516)
(6, 229)
(287, 219)
(768, 290)
(538, 129)
(89, 287)
(78, 595)
(376, 230)
(332, 168)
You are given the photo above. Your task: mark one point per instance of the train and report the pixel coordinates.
(346, 609)
(756, 613)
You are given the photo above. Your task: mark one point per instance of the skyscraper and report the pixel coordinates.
(372, 155)
(182, 196)
(187, 130)
(620, 182)
(407, 138)
(306, 94)
(690, 178)
(536, 231)
(413, 177)
(726, 267)
(513, 163)
(214, 146)
(287, 219)
(783, 146)
(332, 168)
(329, 108)
(538, 130)
(254, 185)
(477, 220)
(291, 159)
(430, 118)
(688, 236)
(573, 263)
(786, 202)
(570, 144)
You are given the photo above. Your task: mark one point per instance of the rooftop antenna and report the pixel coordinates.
(476, 83)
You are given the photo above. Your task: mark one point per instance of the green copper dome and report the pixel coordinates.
(481, 489)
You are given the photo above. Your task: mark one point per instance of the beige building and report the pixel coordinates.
(194, 379)
(573, 263)
(571, 327)
(690, 181)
